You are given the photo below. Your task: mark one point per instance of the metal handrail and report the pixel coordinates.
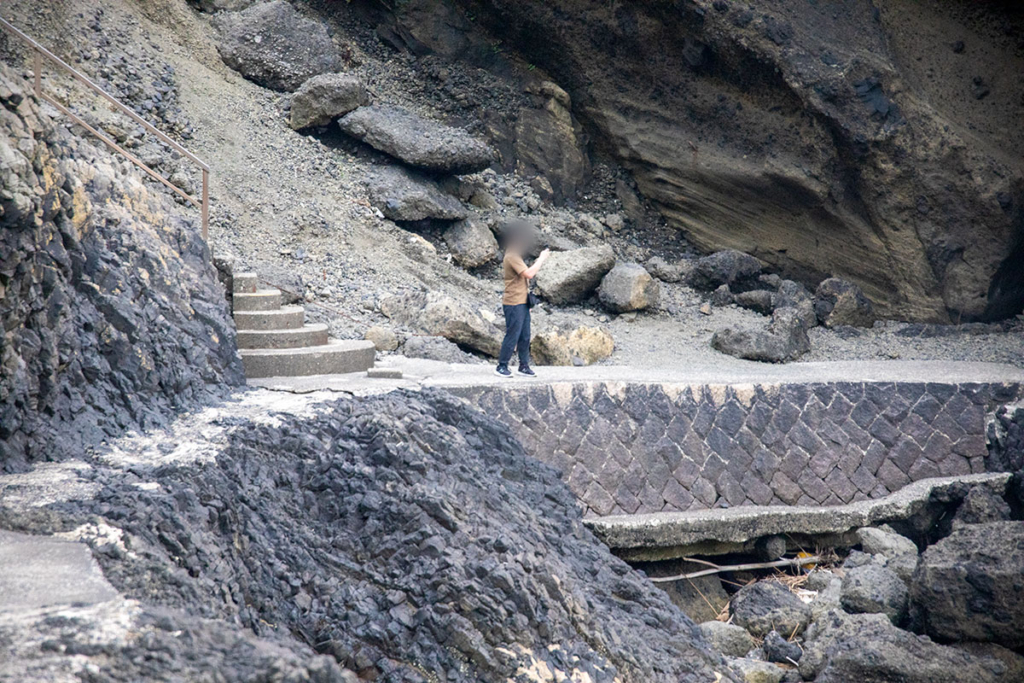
(39, 52)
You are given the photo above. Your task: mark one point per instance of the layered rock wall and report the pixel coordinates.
(875, 141)
(629, 448)
(110, 311)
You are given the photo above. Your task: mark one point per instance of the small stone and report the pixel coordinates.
(779, 650)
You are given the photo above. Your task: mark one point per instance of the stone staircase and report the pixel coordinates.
(275, 340)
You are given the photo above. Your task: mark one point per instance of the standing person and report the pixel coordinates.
(517, 275)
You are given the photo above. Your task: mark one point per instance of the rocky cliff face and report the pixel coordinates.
(875, 141)
(112, 316)
(408, 536)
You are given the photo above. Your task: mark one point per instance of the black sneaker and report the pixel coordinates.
(503, 371)
(527, 370)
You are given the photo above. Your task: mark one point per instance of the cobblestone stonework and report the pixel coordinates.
(628, 448)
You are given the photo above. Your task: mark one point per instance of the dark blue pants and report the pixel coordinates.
(517, 334)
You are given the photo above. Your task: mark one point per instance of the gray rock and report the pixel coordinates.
(417, 141)
(628, 287)
(765, 606)
(970, 585)
(435, 348)
(757, 300)
(729, 639)
(701, 599)
(324, 98)
(790, 294)
(755, 670)
(874, 589)
(728, 267)
(842, 648)
(779, 650)
(899, 551)
(980, 506)
(383, 339)
(827, 600)
(722, 296)
(273, 45)
(571, 276)
(438, 315)
(784, 339)
(819, 579)
(840, 302)
(403, 195)
(471, 242)
(668, 272)
(1011, 662)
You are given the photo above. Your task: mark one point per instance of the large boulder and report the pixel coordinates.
(581, 346)
(970, 585)
(842, 648)
(728, 267)
(874, 589)
(784, 339)
(840, 302)
(324, 98)
(549, 141)
(570, 276)
(273, 45)
(756, 670)
(766, 606)
(416, 141)
(406, 196)
(471, 242)
(628, 287)
(436, 314)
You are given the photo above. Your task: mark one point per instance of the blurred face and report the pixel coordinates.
(521, 238)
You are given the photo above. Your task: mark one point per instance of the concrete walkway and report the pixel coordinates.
(425, 373)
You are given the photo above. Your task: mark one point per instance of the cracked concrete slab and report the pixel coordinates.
(670, 535)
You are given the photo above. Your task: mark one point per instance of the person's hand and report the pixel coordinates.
(544, 254)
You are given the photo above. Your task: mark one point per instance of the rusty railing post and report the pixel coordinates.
(206, 206)
(38, 68)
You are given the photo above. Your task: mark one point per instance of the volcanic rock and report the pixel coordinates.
(766, 606)
(324, 98)
(841, 648)
(628, 287)
(274, 46)
(874, 589)
(436, 314)
(728, 267)
(416, 141)
(471, 242)
(570, 276)
(970, 585)
(406, 196)
(840, 302)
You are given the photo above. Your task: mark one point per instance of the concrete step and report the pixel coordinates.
(335, 358)
(285, 318)
(310, 335)
(245, 283)
(260, 300)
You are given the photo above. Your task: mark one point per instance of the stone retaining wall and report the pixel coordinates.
(629, 448)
